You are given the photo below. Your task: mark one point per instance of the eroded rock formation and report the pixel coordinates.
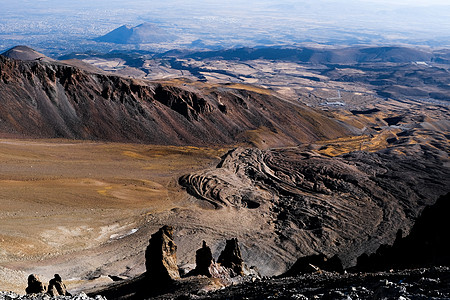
(35, 285)
(231, 257)
(229, 264)
(161, 257)
(203, 260)
(206, 266)
(345, 205)
(56, 287)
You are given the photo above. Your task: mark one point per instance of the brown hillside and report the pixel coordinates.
(40, 99)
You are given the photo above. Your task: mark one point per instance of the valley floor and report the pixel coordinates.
(64, 202)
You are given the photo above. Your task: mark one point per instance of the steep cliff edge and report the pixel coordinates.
(51, 99)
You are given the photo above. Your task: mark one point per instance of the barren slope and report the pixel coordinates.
(345, 205)
(55, 100)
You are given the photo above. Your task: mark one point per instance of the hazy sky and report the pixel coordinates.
(21, 4)
(38, 21)
(410, 2)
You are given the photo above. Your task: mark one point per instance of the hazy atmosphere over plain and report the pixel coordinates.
(64, 26)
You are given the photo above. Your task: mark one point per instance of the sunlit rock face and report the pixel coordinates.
(161, 257)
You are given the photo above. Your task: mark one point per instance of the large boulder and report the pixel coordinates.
(35, 285)
(161, 257)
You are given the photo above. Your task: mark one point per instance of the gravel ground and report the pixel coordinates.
(432, 283)
(14, 296)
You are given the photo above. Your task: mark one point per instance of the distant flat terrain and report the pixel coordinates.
(350, 77)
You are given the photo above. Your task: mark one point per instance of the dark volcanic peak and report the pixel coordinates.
(145, 33)
(25, 53)
(57, 100)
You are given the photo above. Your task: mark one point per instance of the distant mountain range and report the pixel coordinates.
(145, 33)
(348, 55)
(393, 72)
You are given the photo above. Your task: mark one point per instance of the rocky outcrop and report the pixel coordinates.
(163, 276)
(229, 265)
(161, 257)
(51, 99)
(315, 263)
(205, 265)
(231, 258)
(203, 261)
(56, 287)
(80, 296)
(35, 285)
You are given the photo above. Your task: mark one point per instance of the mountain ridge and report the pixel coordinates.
(57, 100)
(342, 55)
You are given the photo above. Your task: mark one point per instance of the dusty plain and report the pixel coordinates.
(61, 197)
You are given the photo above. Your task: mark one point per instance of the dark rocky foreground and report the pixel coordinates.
(81, 296)
(420, 284)
(425, 248)
(425, 283)
(431, 283)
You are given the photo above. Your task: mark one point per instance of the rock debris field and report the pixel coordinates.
(81, 296)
